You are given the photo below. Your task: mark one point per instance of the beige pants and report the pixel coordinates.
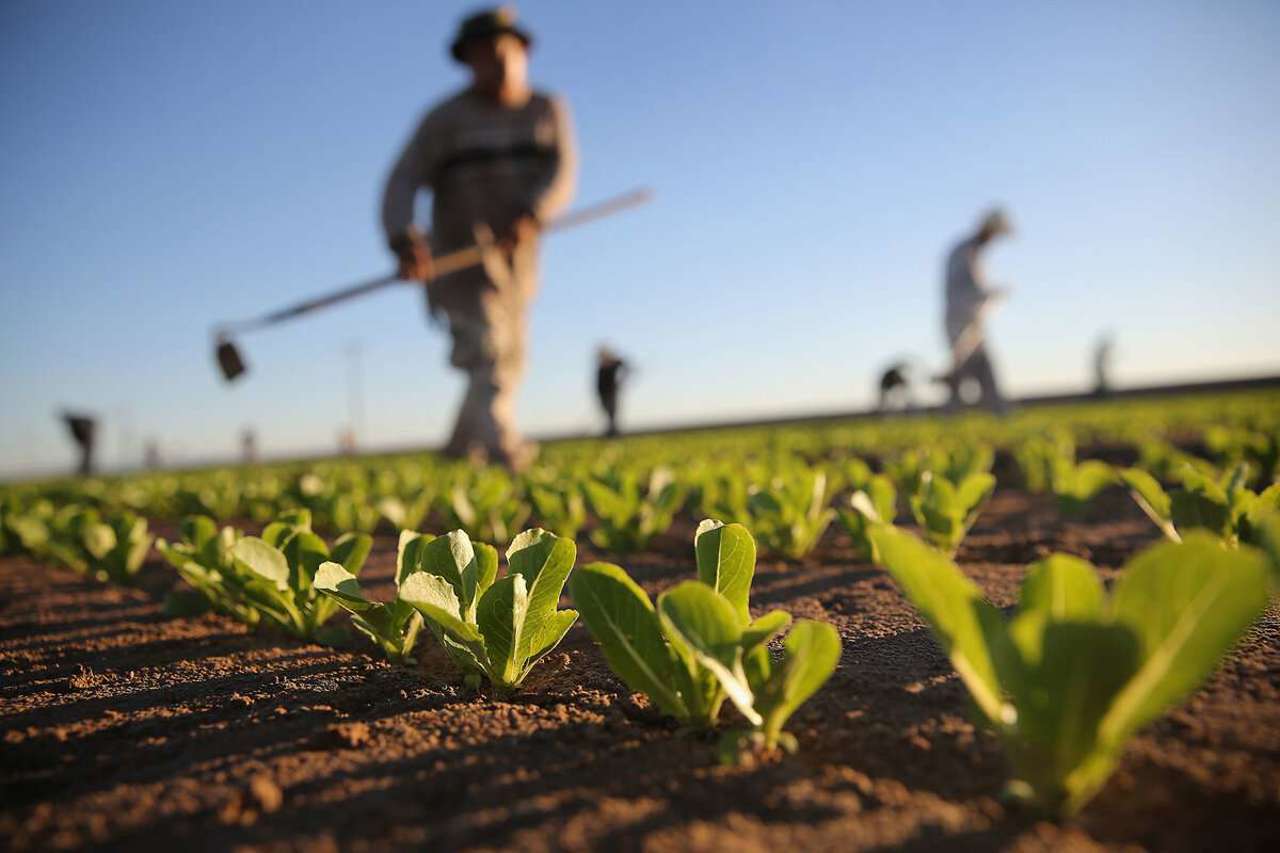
(489, 346)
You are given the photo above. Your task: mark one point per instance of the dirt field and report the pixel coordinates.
(125, 729)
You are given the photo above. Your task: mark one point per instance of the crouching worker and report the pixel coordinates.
(499, 161)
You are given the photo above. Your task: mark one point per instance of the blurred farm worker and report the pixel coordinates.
(1103, 351)
(969, 298)
(499, 161)
(895, 386)
(611, 372)
(84, 430)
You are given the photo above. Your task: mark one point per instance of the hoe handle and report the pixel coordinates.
(444, 264)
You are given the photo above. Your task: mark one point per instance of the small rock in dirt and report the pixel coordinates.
(266, 792)
(352, 735)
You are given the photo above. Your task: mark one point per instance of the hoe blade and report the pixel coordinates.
(229, 360)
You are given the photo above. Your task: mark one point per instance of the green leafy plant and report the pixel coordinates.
(790, 515)
(560, 508)
(1073, 674)
(1074, 483)
(945, 510)
(488, 505)
(110, 548)
(271, 576)
(392, 626)
(408, 512)
(1224, 506)
(496, 628)
(875, 501)
(699, 645)
(627, 516)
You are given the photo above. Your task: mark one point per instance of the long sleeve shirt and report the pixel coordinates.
(967, 291)
(484, 163)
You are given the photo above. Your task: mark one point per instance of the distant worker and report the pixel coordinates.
(969, 299)
(895, 387)
(83, 429)
(611, 373)
(1102, 353)
(248, 446)
(499, 160)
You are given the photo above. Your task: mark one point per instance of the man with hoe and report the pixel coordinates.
(499, 161)
(969, 298)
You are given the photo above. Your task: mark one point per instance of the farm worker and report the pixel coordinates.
(611, 372)
(499, 161)
(83, 429)
(969, 297)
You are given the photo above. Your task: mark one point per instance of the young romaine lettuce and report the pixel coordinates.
(945, 510)
(272, 575)
(392, 626)
(1074, 483)
(559, 508)
(627, 517)
(699, 645)
(875, 501)
(487, 504)
(1073, 674)
(110, 547)
(498, 628)
(1223, 506)
(790, 515)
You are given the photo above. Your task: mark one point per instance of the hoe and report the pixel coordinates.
(232, 363)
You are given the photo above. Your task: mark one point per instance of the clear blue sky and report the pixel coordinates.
(168, 165)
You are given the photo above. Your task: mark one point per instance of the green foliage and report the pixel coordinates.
(1223, 506)
(488, 505)
(1076, 483)
(498, 628)
(876, 500)
(1073, 674)
(945, 510)
(392, 626)
(699, 645)
(790, 515)
(107, 545)
(268, 579)
(560, 508)
(628, 516)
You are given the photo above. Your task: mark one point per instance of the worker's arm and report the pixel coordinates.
(553, 194)
(411, 173)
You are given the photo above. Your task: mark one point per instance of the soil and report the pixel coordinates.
(123, 728)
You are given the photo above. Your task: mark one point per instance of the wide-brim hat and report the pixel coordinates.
(487, 24)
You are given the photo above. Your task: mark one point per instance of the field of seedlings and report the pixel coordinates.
(1057, 630)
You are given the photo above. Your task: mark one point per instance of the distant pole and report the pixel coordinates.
(355, 391)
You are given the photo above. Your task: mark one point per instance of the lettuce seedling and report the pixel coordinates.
(406, 513)
(945, 510)
(699, 645)
(627, 517)
(272, 575)
(488, 506)
(561, 509)
(109, 549)
(875, 501)
(1073, 674)
(498, 628)
(1074, 483)
(1223, 506)
(791, 514)
(204, 560)
(392, 626)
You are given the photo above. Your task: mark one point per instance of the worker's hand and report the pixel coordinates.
(523, 227)
(414, 258)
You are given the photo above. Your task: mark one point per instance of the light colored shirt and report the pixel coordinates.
(967, 292)
(484, 163)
